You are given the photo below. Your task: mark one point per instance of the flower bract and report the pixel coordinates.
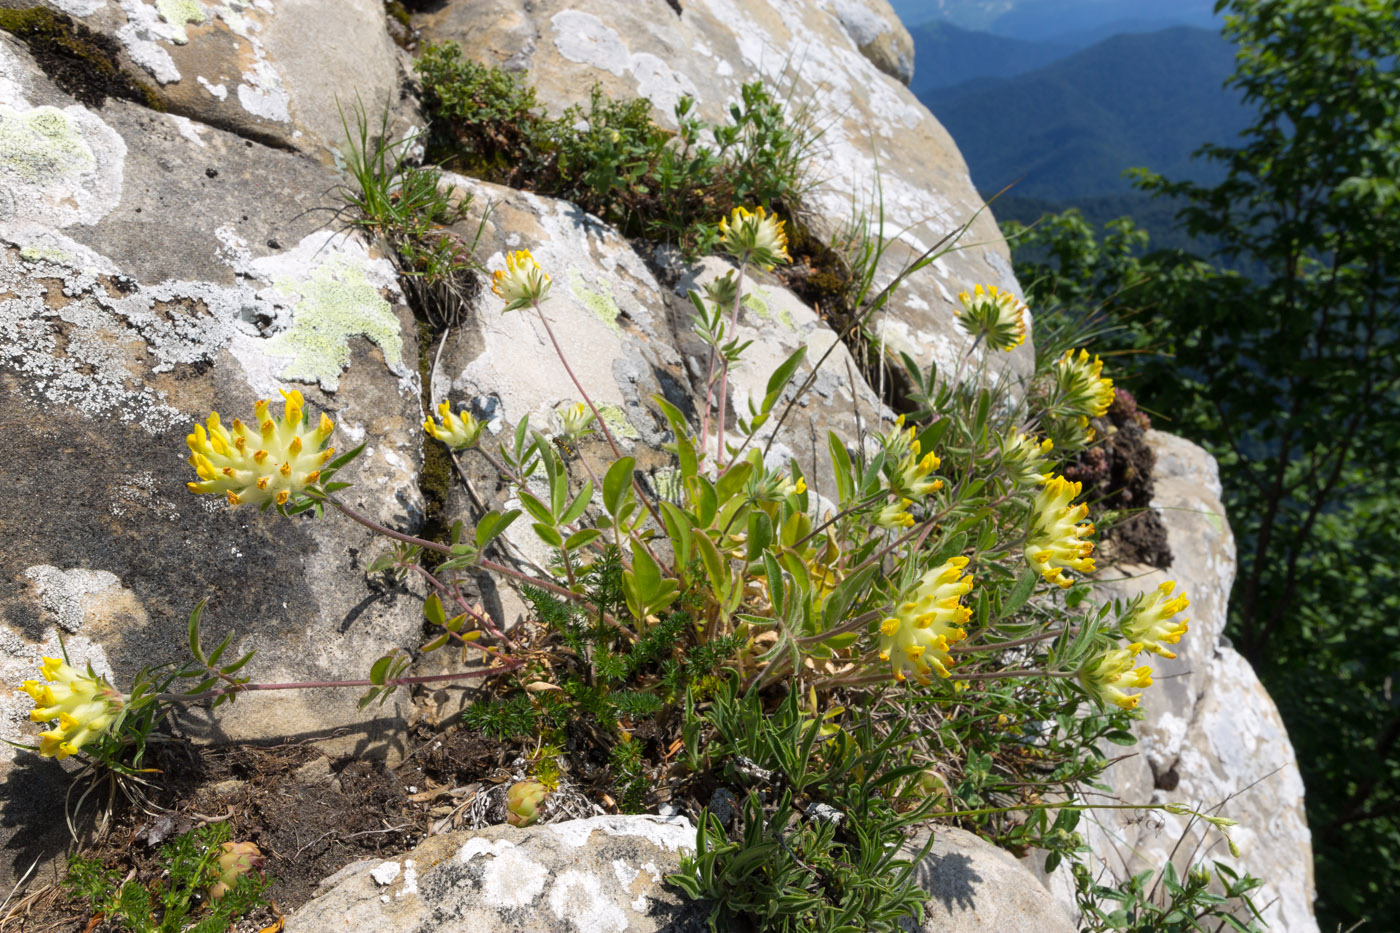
(1151, 625)
(1110, 674)
(993, 315)
(1058, 531)
(1025, 459)
(754, 235)
(277, 460)
(522, 282)
(84, 705)
(917, 636)
(1081, 388)
(457, 431)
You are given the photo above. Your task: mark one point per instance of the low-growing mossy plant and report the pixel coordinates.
(205, 885)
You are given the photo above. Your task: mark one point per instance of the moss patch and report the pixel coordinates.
(81, 62)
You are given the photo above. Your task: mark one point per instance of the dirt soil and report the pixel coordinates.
(308, 814)
(1117, 473)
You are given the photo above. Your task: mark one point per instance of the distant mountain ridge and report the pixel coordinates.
(1070, 128)
(1054, 19)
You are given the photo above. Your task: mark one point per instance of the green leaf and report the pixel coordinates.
(616, 483)
(575, 509)
(841, 466)
(549, 534)
(781, 377)
(678, 529)
(1021, 592)
(536, 508)
(433, 611)
(581, 537)
(379, 671)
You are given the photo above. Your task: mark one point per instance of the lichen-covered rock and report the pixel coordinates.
(880, 153)
(599, 875)
(153, 269)
(1211, 737)
(265, 70)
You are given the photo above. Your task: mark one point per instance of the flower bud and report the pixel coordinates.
(235, 859)
(85, 706)
(523, 802)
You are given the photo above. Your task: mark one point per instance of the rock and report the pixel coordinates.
(267, 72)
(876, 30)
(975, 886)
(599, 875)
(1211, 737)
(880, 154)
(153, 269)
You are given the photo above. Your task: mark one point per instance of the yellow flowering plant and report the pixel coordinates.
(992, 316)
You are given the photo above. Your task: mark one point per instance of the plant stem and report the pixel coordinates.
(724, 369)
(319, 684)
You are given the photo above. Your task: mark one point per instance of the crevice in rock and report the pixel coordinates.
(80, 62)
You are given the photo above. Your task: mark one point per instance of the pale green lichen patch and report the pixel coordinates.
(51, 254)
(600, 303)
(177, 13)
(42, 145)
(616, 420)
(335, 304)
(756, 300)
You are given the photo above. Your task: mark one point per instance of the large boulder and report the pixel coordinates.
(876, 153)
(153, 269)
(271, 72)
(1211, 736)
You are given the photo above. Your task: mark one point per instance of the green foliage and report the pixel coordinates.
(609, 157)
(404, 204)
(1149, 903)
(1291, 377)
(176, 901)
(818, 841)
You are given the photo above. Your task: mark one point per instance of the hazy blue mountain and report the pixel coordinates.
(1069, 129)
(1054, 19)
(945, 55)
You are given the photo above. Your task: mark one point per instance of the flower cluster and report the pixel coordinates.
(576, 419)
(1058, 530)
(923, 626)
(281, 460)
(1110, 673)
(1081, 390)
(457, 431)
(85, 706)
(1151, 626)
(906, 467)
(1025, 459)
(993, 315)
(755, 236)
(522, 282)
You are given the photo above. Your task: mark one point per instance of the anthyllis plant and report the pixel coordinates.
(950, 567)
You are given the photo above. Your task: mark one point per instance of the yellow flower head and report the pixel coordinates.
(1057, 533)
(907, 470)
(1108, 675)
(276, 461)
(576, 418)
(1151, 625)
(993, 315)
(924, 624)
(1082, 391)
(1024, 459)
(458, 431)
(754, 235)
(522, 282)
(85, 706)
(895, 515)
